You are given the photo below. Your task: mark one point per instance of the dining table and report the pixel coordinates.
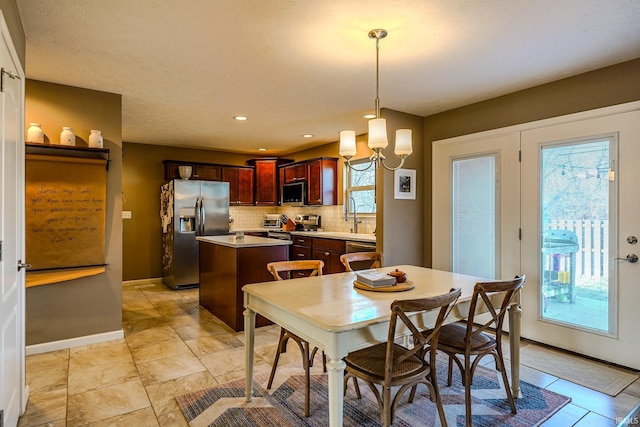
(331, 313)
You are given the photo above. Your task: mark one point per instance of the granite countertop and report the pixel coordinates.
(247, 242)
(338, 235)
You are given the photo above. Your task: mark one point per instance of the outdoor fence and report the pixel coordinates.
(593, 239)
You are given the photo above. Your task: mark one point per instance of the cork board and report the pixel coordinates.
(65, 205)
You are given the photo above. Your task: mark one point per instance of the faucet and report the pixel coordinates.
(356, 221)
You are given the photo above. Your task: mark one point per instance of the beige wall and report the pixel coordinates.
(600, 88)
(91, 305)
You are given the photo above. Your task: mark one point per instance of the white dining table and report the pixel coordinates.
(330, 313)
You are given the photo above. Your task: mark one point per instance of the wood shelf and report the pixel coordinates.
(68, 151)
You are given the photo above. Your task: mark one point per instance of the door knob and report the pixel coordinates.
(632, 258)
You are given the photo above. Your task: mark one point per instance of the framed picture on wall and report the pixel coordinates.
(404, 184)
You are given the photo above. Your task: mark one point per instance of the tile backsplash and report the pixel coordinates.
(332, 217)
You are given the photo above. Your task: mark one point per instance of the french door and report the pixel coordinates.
(580, 215)
(476, 215)
(566, 215)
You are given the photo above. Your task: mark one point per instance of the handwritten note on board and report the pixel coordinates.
(65, 208)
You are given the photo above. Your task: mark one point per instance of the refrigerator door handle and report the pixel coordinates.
(203, 215)
(197, 215)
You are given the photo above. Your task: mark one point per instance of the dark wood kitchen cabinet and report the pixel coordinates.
(322, 181)
(202, 171)
(301, 248)
(267, 180)
(295, 172)
(240, 179)
(329, 251)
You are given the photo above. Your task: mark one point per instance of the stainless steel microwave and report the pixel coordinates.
(294, 194)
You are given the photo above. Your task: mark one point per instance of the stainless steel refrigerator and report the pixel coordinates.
(189, 209)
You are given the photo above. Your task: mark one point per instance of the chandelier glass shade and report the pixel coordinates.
(377, 137)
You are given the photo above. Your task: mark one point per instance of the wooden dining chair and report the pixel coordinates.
(283, 270)
(373, 259)
(390, 364)
(470, 339)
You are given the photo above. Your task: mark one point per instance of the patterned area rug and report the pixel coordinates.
(224, 405)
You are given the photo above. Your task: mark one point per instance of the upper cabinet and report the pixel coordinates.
(203, 171)
(321, 176)
(240, 179)
(267, 180)
(295, 172)
(322, 181)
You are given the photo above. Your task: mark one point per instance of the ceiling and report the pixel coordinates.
(184, 69)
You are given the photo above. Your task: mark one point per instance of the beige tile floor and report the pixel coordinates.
(172, 347)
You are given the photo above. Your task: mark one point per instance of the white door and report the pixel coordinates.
(13, 394)
(580, 204)
(476, 214)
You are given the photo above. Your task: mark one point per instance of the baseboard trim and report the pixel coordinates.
(74, 342)
(137, 282)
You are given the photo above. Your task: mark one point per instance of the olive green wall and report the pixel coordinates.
(600, 88)
(9, 10)
(400, 223)
(91, 305)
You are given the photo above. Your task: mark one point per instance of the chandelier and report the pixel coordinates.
(377, 138)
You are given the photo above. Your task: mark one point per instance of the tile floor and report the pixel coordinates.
(172, 347)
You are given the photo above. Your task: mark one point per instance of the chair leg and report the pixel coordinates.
(386, 406)
(450, 371)
(467, 390)
(507, 387)
(434, 382)
(279, 350)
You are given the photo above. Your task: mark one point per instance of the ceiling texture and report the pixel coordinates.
(186, 68)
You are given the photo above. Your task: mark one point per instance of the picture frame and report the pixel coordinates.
(404, 184)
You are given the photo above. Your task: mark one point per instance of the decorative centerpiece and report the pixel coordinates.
(400, 276)
(67, 137)
(95, 139)
(35, 133)
(185, 171)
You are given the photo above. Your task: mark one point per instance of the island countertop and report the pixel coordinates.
(247, 242)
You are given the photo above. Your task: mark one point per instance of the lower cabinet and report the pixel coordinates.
(301, 249)
(329, 251)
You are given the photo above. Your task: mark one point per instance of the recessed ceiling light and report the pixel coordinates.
(241, 118)
(307, 135)
(369, 116)
(262, 149)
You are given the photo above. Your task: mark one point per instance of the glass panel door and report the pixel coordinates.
(575, 199)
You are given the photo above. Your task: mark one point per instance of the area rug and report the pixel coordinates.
(593, 375)
(282, 406)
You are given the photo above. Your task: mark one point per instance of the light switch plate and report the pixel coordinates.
(126, 214)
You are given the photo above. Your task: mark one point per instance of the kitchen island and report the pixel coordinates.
(227, 264)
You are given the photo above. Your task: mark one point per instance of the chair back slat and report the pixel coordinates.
(400, 310)
(310, 267)
(487, 292)
(376, 258)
